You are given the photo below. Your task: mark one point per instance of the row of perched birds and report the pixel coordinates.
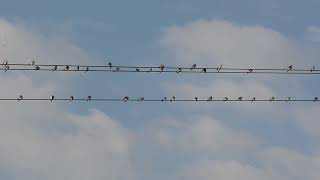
(173, 98)
(162, 67)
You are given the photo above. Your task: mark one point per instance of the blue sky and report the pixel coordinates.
(160, 141)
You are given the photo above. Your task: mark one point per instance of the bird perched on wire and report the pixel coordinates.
(89, 98)
(250, 71)
(253, 99)
(164, 99)
(289, 68)
(288, 99)
(67, 68)
(226, 99)
(272, 99)
(173, 98)
(204, 70)
(77, 68)
(71, 98)
(161, 67)
(240, 98)
(210, 99)
(110, 65)
(141, 99)
(5, 63)
(179, 70)
(37, 68)
(51, 98)
(20, 98)
(55, 68)
(33, 63)
(315, 99)
(117, 69)
(219, 68)
(126, 98)
(193, 66)
(196, 98)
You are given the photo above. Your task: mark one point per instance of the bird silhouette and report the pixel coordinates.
(161, 67)
(288, 99)
(204, 70)
(20, 98)
(126, 98)
(89, 98)
(51, 98)
(219, 68)
(193, 66)
(55, 68)
(289, 68)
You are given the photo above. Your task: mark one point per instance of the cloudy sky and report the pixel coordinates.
(129, 141)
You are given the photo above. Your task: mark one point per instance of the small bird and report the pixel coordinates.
(253, 99)
(110, 65)
(315, 99)
(193, 66)
(5, 63)
(51, 98)
(210, 99)
(173, 98)
(204, 70)
(55, 68)
(313, 68)
(77, 68)
(141, 99)
(67, 68)
(219, 68)
(179, 70)
(87, 69)
(137, 69)
(117, 69)
(33, 63)
(289, 68)
(250, 71)
(71, 98)
(240, 98)
(6, 68)
(126, 98)
(89, 98)
(196, 98)
(272, 99)
(226, 99)
(161, 67)
(20, 98)
(288, 99)
(37, 68)
(164, 99)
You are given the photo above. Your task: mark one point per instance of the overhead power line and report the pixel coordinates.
(6, 66)
(163, 99)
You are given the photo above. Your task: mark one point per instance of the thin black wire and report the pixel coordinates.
(157, 100)
(155, 69)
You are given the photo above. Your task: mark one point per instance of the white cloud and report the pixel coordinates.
(203, 134)
(220, 42)
(42, 140)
